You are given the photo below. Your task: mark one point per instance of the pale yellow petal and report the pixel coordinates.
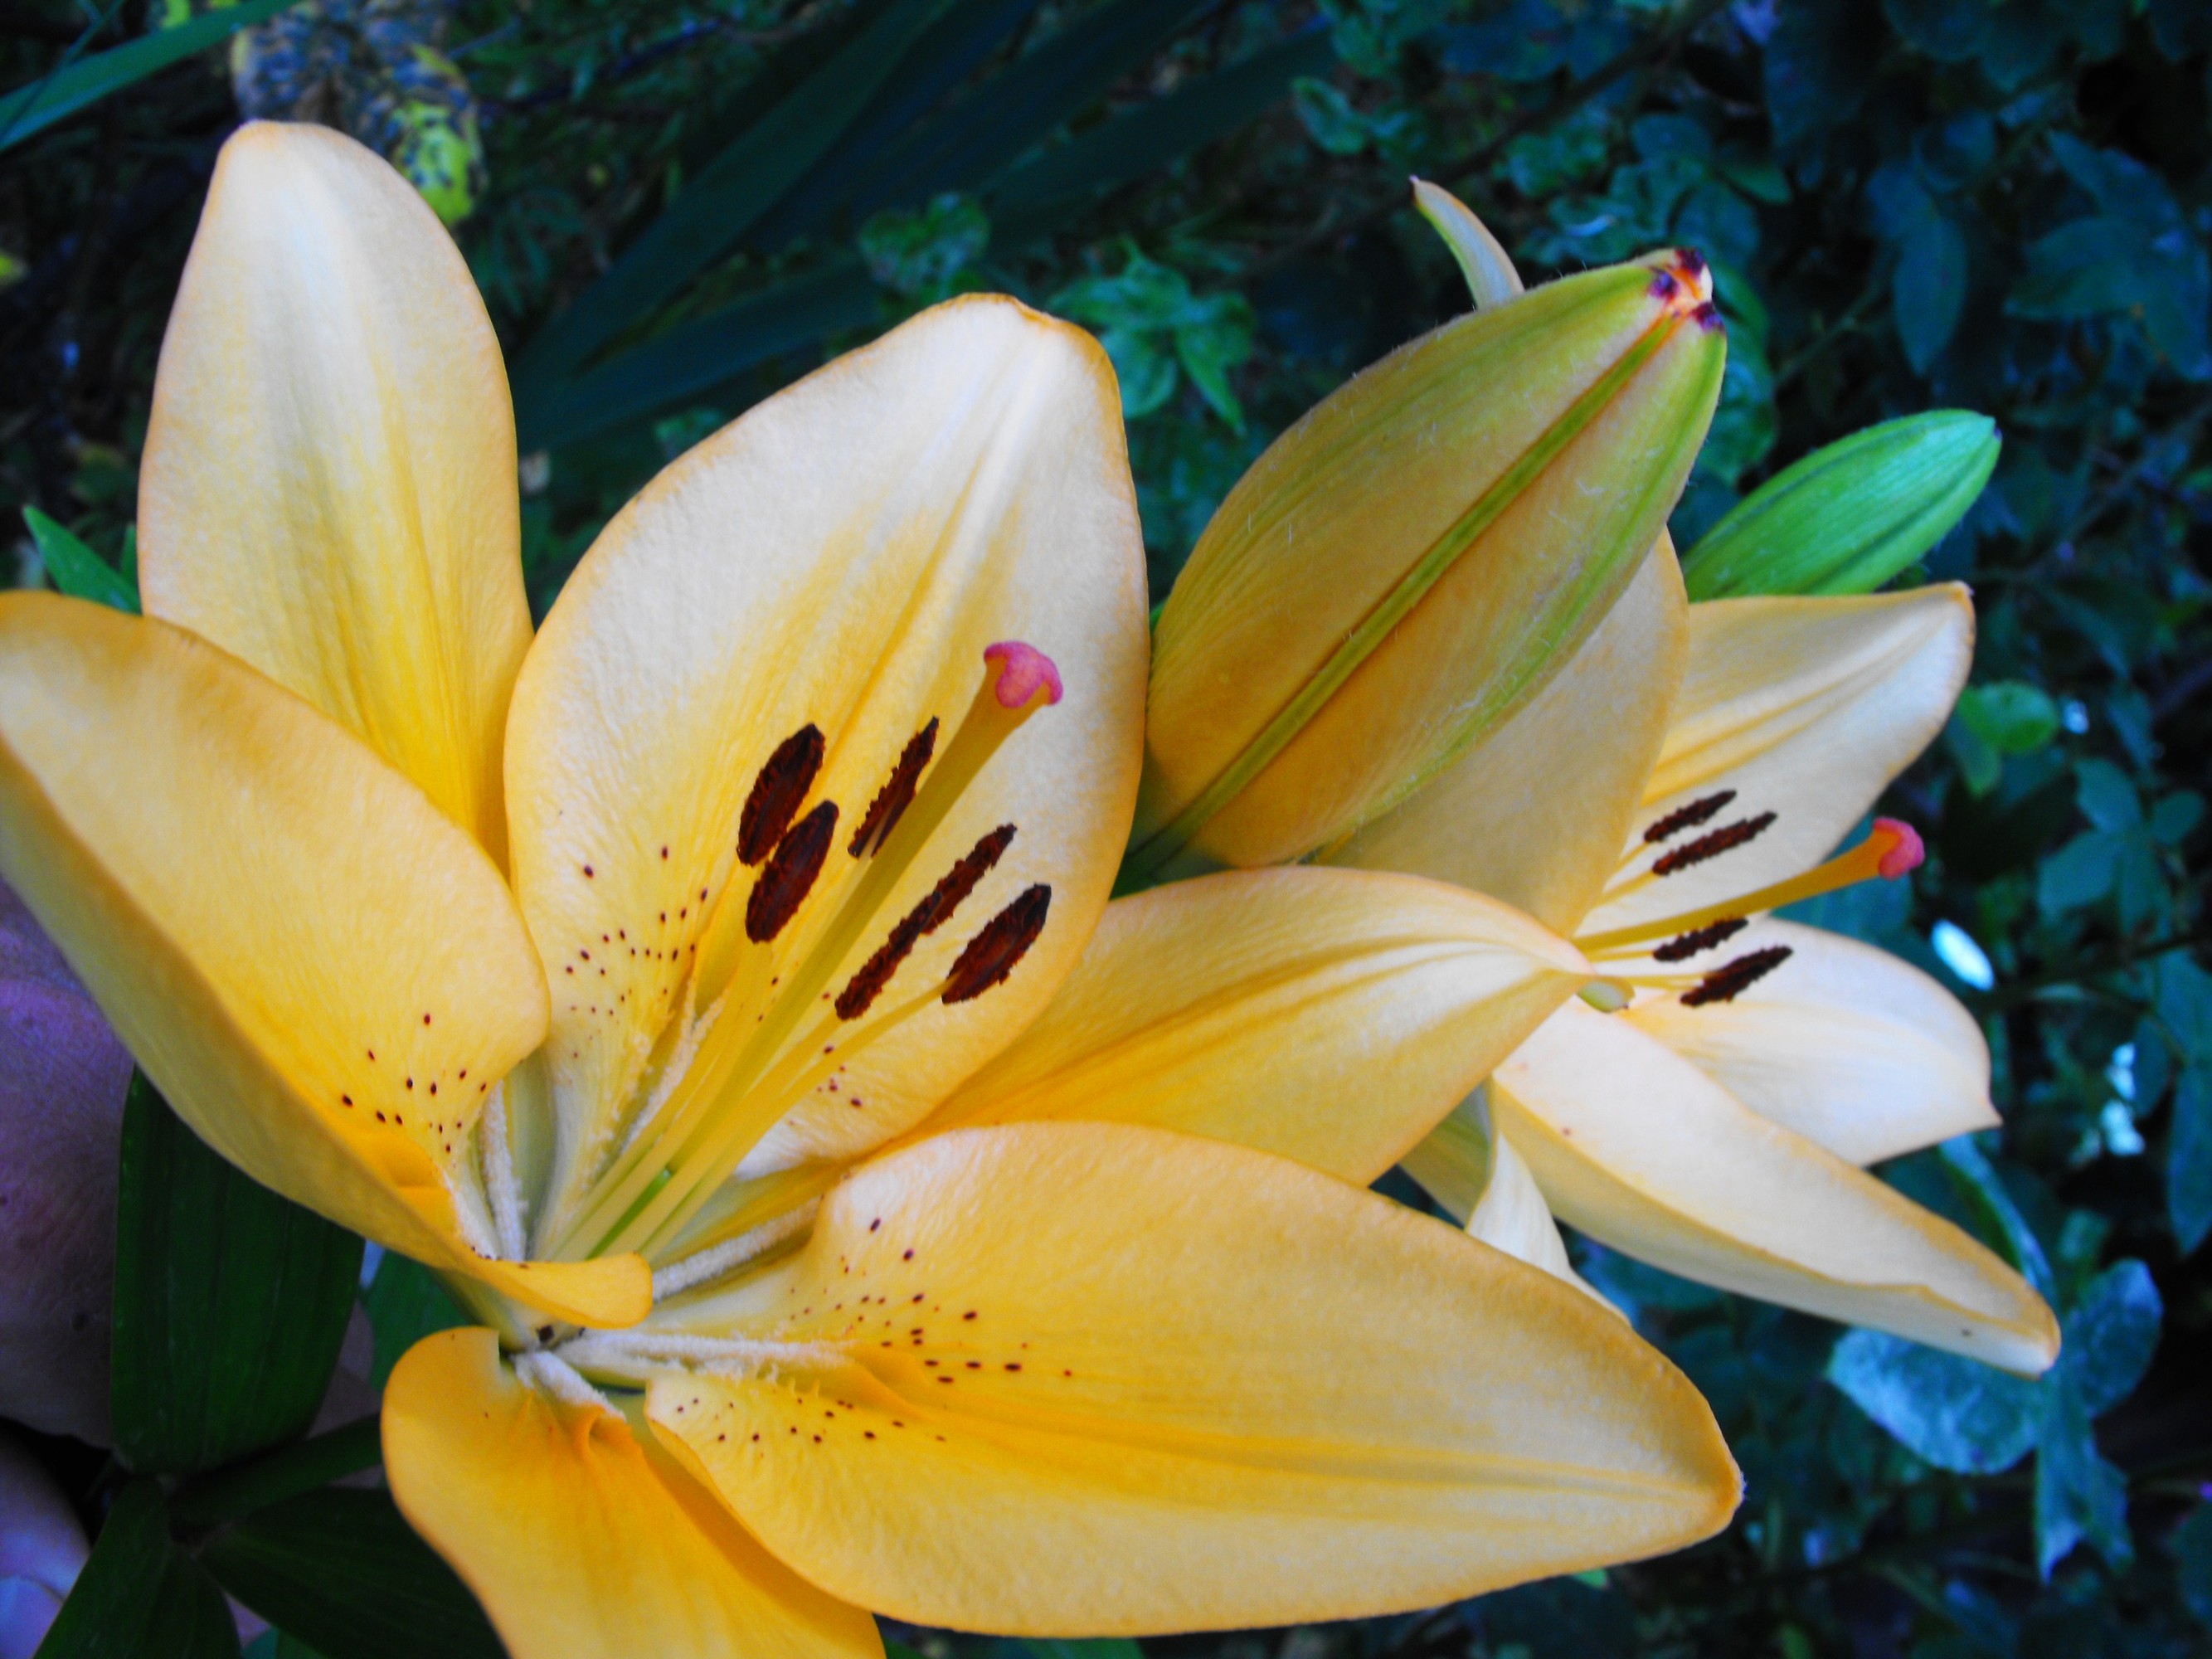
(582, 1538)
(1065, 1378)
(1473, 1172)
(323, 974)
(1491, 279)
(329, 484)
(1805, 708)
(839, 558)
(1635, 1147)
(1535, 814)
(1844, 1044)
(1329, 1016)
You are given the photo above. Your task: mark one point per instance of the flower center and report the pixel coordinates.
(1647, 956)
(763, 1041)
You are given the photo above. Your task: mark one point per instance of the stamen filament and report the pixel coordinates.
(1891, 850)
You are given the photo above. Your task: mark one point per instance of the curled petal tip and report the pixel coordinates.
(1906, 850)
(1023, 671)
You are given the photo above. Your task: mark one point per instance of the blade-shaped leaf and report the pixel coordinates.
(1130, 146)
(80, 85)
(976, 140)
(76, 569)
(341, 1571)
(406, 1304)
(230, 1301)
(139, 1593)
(716, 208)
(688, 361)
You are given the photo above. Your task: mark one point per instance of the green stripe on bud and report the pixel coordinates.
(1412, 562)
(1846, 519)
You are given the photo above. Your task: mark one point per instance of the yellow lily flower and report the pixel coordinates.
(1679, 778)
(615, 974)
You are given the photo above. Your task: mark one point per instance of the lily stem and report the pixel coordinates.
(304, 1466)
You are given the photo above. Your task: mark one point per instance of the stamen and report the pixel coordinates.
(935, 909)
(720, 1259)
(1893, 849)
(1727, 983)
(1726, 839)
(555, 1376)
(1023, 671)
(632, 1359)
(501, 1184)
(1690, 816)
(784, 885)
(1699, 939)
(992, 955)
(777, 792)
(898, 793)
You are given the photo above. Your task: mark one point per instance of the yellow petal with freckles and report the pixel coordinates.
(840, 558)
(1329, 1016)
(1536, 813)
(583, 1539)
(1845, 1044)
(1637, 1147)
(1805, 708)
(329, 486)
(1108, 1380)
(259, 905)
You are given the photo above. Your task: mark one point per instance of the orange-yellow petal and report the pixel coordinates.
(1089, 1379)
(583, 1537)
(329, 485)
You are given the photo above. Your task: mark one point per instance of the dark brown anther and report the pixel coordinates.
(1685, 946)
(935, 909)
(898, 793)
(1663, 285)
(1708, 316)
(1726, 984)
(993, 953)
(1726, 839)
(1692, 261)
(778, 792)
(1689, 818)
(784, 885)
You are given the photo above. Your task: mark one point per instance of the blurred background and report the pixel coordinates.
(673, 209)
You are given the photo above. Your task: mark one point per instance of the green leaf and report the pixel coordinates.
(341, 1571)
(2191, 1544)
(78, 571)
(140, 1595)
(2189, 1159)
(406, 1304)
(2079, 1497)
(1146, 139)
(1097, 1647)
(715, 210)
(2112, 1332)
(1950, 1411)
(2011, 716)
(686, 363)
(230, 1301)
(78, 86)
(1847, 518)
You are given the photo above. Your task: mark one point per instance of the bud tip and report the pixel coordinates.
(1906, 850)
(1023, 671)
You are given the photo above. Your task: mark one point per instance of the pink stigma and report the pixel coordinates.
(1905, 851)
(1023, 671)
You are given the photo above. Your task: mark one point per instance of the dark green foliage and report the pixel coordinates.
(140, 1595)
(230, 1303)
(342, 1572)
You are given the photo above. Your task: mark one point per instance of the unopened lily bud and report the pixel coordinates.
(1847, 518)
(1412, 562)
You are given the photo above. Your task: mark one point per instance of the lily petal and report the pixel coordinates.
(582, 1538)
(1805, 708)
(1642, 1151)
(329, 485)
(1536, 813)
(1111, 1380)
(322, 972)
(1851, 1047)
(1328, 1016)
(839, 558)
(1473, 1172)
